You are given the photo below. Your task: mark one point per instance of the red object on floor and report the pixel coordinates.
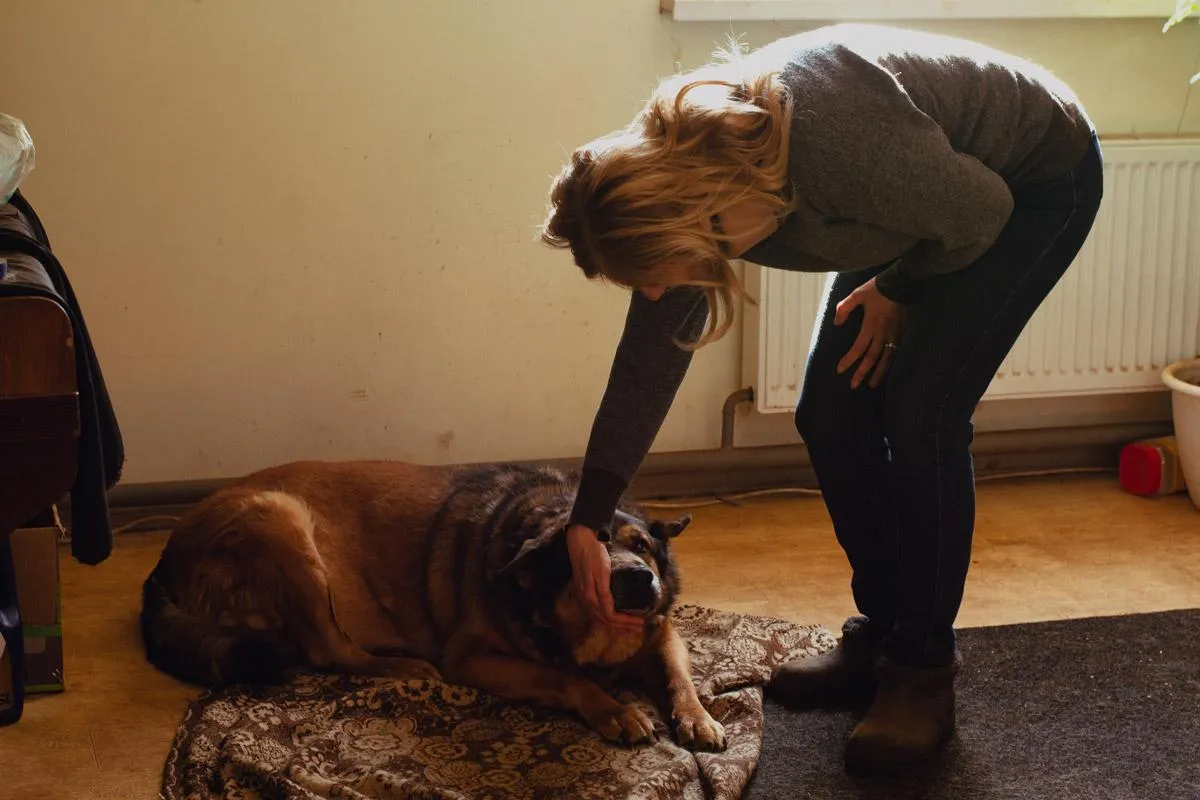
(1141, 469)
(1150, 468)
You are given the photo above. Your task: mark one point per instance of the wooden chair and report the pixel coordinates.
(39, 430)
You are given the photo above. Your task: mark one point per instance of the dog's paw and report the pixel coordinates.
(697, 730)
(627, 724)
(413, 669)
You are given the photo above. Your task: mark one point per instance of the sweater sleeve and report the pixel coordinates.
(951, 202)
(646, 373)
(883, 162)
(898, 285)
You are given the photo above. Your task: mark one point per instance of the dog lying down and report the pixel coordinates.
(390, 569)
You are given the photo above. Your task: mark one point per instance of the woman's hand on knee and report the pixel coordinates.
(591, 569)
(878, 338)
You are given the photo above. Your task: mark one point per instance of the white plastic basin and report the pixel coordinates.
(1183, 379)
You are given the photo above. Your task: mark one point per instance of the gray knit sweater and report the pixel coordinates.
(904, 149)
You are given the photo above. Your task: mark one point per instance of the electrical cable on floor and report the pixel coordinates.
(131, 525)
(732, 499)
(729, 499)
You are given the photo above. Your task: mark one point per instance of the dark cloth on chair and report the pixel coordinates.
(34, 271)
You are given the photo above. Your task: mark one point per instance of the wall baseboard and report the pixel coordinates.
(728, 471)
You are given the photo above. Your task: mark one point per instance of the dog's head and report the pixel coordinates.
(644, 580)
(533, 585)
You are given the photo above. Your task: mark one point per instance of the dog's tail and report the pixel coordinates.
(200, 651)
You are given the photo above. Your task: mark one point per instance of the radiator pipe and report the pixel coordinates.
(731, 403)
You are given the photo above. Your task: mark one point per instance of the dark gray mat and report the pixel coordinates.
(1094, 709)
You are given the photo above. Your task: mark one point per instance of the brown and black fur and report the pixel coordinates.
(418, 572)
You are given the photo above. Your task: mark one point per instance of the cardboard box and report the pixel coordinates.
(35, 555)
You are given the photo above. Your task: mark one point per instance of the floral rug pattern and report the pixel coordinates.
(328, 736)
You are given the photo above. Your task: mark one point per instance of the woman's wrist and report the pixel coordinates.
(596, 499)
(578, 532)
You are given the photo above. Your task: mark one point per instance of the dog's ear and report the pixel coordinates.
(532, 558)
(665, 530)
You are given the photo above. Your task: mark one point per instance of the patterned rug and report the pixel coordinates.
(344, 737)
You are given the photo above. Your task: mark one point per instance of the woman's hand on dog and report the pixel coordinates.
(591, 570)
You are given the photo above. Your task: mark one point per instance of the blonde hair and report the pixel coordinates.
(635, 206)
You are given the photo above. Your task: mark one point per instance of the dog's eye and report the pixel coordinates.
(639, 546)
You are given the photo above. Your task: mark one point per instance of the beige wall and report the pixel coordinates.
(302, 228)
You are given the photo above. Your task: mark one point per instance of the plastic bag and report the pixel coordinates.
(16, 155)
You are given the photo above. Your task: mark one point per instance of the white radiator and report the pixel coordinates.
(1129, 305)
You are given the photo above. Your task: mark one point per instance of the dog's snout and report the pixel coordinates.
(634, 589)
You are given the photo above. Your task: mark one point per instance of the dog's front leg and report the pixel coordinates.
(520, 679)
(668, 673)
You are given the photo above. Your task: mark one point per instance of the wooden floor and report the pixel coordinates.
(1048, 549)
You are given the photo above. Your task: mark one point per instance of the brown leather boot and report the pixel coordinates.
(843, 677)
(909, 721)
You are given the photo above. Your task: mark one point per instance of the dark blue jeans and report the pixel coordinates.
(894, 463)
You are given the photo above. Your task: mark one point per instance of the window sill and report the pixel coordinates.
(878, 10)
